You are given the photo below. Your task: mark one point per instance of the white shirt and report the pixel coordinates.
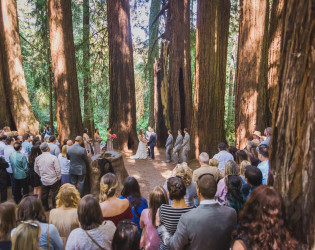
(223, 156)
(204, 202)
(2, 146)
(8, 150)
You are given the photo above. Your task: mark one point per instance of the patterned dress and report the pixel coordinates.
(109, 143)
(97, 145)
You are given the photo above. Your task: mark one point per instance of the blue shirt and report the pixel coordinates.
(264, 168)
(19, 165)
(27, 147)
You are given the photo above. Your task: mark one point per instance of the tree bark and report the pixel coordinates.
(292, 156)
(251, 108)
(88, 120)
(122, 110)
(15, 83)
(153, 54)
(211, 57)
(67, 101)
(180, 86)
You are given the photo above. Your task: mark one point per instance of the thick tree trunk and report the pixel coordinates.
(67, 101)
(122, 111)
(292, 157)
(211, 56)
(50, 80)
(15, 83)
(153, 54)
(180, 86)
(251, 108)
(88, 121)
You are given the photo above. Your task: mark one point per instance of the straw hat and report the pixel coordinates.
(258, 133)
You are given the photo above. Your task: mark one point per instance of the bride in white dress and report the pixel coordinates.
(142, 150)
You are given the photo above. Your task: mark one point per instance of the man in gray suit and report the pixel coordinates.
(177, 146)
(209, 226)
(169, 147)
(79, 161)
(186, 145)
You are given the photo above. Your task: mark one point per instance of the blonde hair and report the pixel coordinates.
(26, 236)
(213, 162)
(68, 196)
(64, 151)
(108, 186)
(242, 166)
(231, 168)
(185, 172)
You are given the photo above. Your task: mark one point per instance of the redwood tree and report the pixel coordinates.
(251, 108)
(68, 112)
(13, 74)
(292, 156)
(211, 57)
(122, 106)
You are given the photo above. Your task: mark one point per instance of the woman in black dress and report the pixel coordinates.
(34, 178)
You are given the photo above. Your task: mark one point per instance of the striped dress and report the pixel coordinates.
(169, 217)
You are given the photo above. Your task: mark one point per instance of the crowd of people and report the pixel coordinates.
(224, 204)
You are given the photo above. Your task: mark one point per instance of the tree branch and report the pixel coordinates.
(164, 8)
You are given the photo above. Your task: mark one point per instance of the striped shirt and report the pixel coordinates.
(169, 217)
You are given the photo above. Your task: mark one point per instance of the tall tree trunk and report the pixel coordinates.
(232, 78)
(122, 109)
(251, 80)
(211, 56)
(153, 54)
(67, 101)
(50, 80)
(15, 83)
(180, 94)
(88, 120)
(292, 157)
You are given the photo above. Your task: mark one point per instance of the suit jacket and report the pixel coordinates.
(78, 159)
(208, 226)
(178, 142)
(186, 142)
(152, 141)
(169, 141)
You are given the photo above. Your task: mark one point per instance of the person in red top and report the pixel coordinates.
(113, 208)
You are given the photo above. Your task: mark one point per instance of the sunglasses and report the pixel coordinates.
(30, 223)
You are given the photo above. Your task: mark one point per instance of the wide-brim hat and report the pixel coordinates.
(258, 133)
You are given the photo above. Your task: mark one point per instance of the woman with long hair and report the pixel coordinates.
(142, 150)
(26, 236)
(109, 145)
(87, 142)
(262, 222)
(252, 153)
(150, 239)
(234, 197)
(243, 165)
(34, 177)
(97, 142)
(7, 223)
(241, 155)
(126, 236)
(64, 165)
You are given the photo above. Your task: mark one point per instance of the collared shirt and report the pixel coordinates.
(2, 147)
(206, 169)
(27, 147)
(264, 168)
(223, 156)
(204, 202)
(19, 165)
(48, 168)
(7, 153)
(54, 149)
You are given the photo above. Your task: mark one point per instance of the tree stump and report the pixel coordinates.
(109, 161)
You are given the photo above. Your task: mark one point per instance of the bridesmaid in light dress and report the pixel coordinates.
(109, 140)
(97, 142)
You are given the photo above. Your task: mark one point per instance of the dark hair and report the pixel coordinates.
(35, 141)
(232, 151)
(52, 138)
(4, 137)
(126, 236)
(241, 155)
(180, 131)
(85, 130)
(186, 130)
(253, 175)
(234, 195)
(31, 208)
(176, 188)
(17, 146)
(89, 212)
(10, 139)
(222, 146)
(263, 149)
(35, 151)
(207, 186)
(263, 217)
(157, 197)
(170, 131)
(7, 219)
(65, 141)
(108, 129)
(26, 136)
(131, 190)
(96, 130)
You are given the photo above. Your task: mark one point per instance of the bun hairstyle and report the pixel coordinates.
(184, 171)
(176, 188)
(108, 186)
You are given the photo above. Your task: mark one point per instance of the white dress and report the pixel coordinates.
(141, 152)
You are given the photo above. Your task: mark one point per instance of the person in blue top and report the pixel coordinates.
(47, 130)
(253, 178)
(26, 145)
(263, 155)
(131, 191)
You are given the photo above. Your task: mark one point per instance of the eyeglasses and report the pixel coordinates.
(30, 223)
(204, 175)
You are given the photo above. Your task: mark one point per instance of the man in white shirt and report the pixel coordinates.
(8, 150)
(223, 156)
(3, 139)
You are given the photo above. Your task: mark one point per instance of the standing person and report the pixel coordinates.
(3, 179)
(48, 168)
(97, 142)
(34, 177)
(152, 143)
(141, 151)
(263, 166)
(186, 145)
(109, 146)
(54, 149)
(223, 156)
(47, 130)
(147, 137)
(7, 153)
(79, 161)
(26, 145)
(3, 145)
(150, 239)
(87, 142)
(7, 223)
(65, 165)
(178, 146)
(169, 146)
(126, 236)
(20, 169)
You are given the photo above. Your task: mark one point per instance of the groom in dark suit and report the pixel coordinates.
(152, 143)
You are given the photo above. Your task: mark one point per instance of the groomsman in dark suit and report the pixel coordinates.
(152, 143)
